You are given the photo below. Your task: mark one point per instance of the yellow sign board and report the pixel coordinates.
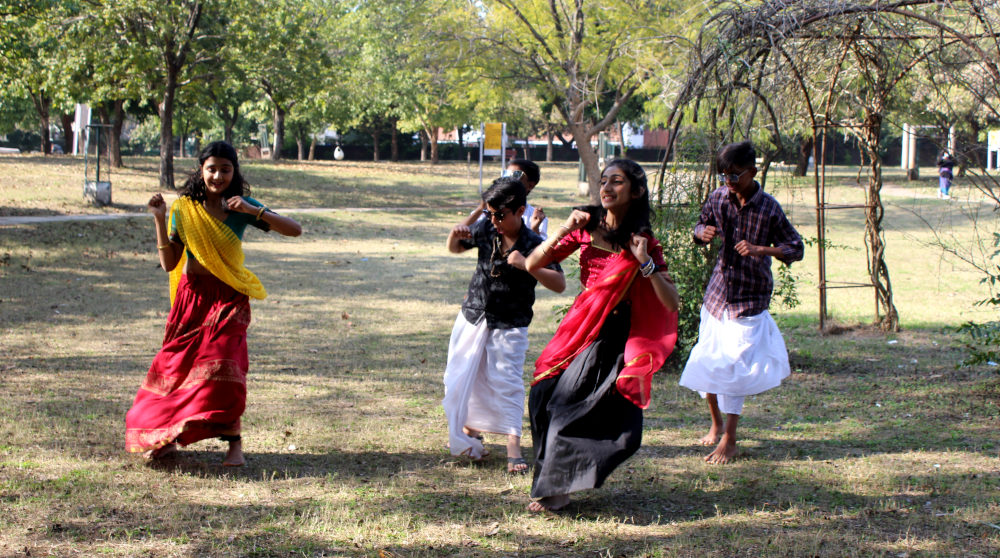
(493, 142)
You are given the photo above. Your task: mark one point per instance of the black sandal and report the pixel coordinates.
(513, 462)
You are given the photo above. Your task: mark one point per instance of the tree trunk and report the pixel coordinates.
(115, 137)
(279, 132)
(182, 141)
(969, 157)
(229, 120)
(166, 110)
(42, 104)
(548, 142)
(105, 119)
(590, 161)
(621, 138)
(312, 148)
(375, 153)
(434, 145)
(805, 151)
(173, 61)
(394, 142)
(300, 142)
(66, 120)
(423, 145)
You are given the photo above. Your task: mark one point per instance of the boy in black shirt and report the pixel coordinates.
(484, 386)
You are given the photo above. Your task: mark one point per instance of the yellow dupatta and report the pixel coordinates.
(214, 245)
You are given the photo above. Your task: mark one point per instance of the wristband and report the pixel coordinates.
(261, 213)
(162, 246)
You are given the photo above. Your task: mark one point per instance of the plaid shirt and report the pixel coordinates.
(743, 285)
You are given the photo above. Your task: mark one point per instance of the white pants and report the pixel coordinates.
(736, 357)
(483, 383)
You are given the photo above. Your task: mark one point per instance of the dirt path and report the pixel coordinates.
(35, 219)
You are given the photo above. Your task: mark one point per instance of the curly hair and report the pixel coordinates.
(194, 186)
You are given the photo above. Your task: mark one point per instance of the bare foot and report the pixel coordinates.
(161, 452)
(472, 433)
(234, 457)
(712, 437)
(723, 452)
(549, 503)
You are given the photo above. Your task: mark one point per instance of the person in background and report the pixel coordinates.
(946, 165)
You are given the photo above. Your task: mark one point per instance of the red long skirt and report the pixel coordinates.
(196, 387)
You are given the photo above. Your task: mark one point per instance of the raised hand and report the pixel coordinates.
(536, 219)
(577, 220)
(639, 246)
(157, 206)
(461, 231)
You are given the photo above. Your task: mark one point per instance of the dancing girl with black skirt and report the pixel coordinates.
(593, 379)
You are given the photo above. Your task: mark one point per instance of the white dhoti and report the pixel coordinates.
(736, 357)
(483, 383)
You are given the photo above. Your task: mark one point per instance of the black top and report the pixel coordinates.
(501, 292)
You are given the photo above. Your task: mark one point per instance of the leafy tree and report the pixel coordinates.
(282, 52)
(577, 51)
(167, 42)
(435, 62)
(32, 55)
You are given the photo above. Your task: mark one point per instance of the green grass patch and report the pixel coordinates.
(871, 448)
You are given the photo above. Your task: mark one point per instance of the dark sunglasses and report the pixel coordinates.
(724, 178)
(499, 215)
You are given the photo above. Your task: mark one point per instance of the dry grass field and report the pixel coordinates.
(878, 445)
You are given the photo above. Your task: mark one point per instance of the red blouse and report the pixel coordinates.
(593, 259)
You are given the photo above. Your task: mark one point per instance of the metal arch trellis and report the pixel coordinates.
(768, 27)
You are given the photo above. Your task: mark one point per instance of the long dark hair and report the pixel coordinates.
(637, 217)
(194, 186)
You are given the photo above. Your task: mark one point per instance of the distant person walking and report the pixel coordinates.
(594, 377)
(196, 385)
(739, 351)
(946, 165)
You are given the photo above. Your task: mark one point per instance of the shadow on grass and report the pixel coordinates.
(9, 211)
(772, 514)
(348, 369)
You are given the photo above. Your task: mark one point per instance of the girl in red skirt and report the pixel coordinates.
(196, 386)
